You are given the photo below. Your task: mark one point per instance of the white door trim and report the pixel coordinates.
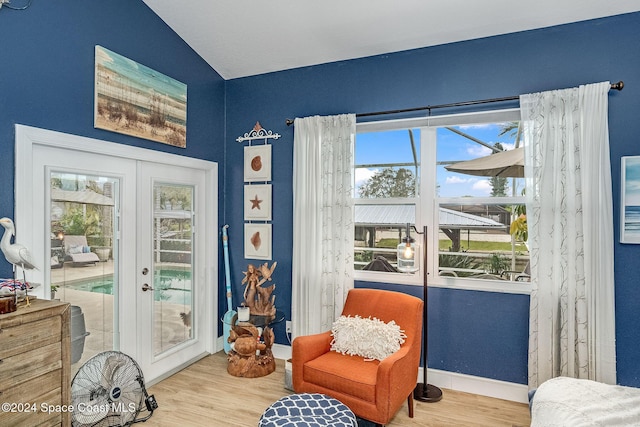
(27, 137)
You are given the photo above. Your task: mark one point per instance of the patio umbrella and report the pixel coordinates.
(86, 197)
(505, 164)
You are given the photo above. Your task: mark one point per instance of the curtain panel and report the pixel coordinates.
(570, 220)
(323, 233)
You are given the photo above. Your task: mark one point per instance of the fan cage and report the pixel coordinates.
(108, 390)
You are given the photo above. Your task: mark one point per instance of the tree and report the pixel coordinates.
(77, 221)
(512, 129)
(498, 184)
(389, 182)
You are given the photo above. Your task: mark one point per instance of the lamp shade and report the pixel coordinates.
(408, 255)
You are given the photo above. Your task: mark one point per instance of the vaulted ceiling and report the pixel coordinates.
(243, 37)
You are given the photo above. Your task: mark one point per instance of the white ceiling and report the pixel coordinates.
(241, 38)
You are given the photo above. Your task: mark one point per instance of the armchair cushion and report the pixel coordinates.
(348, 374)
(370, 338)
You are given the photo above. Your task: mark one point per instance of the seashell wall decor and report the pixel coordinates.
(257, 192)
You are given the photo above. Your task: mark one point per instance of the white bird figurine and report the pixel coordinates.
(15, 253)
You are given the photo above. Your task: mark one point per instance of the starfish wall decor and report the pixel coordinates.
(255, 202)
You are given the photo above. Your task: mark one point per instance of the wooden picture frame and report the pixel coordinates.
(630, 200)
(257, 163)
(257, 202)
(257, 241)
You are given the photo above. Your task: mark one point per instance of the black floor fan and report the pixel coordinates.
(425, 392)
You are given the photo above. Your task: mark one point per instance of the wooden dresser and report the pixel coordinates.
(35, 365)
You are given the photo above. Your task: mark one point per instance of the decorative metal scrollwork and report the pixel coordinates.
(258, 132)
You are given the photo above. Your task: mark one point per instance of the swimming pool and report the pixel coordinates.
(172, 286)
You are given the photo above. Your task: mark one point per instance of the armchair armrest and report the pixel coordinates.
(398, 375)
(309, 347)
(305, 348)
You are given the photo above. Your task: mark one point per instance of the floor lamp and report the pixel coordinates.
(424, 391)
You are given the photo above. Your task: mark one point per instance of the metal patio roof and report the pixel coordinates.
(401, 215)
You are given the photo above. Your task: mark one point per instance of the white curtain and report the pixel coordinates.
(570, 219)
(323, 233)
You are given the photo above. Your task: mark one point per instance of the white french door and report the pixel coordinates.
(77, 209)
(159, 211)
(171, 268)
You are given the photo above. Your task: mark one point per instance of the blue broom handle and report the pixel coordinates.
(225, 245)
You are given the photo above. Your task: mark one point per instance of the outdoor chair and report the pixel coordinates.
(78, 251)
(519, 276)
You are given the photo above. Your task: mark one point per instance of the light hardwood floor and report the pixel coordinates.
(204, 394)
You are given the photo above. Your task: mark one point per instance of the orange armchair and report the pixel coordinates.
(373, 390)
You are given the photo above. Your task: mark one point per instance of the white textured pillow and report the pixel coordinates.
(370, 338)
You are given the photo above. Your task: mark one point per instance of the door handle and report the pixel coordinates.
(146, 288)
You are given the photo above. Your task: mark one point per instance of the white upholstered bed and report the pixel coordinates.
(570, 402)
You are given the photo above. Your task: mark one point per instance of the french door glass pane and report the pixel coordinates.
(172, 265)
(83, 252)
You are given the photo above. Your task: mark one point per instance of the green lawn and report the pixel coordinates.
(484, 246)
(474, 245)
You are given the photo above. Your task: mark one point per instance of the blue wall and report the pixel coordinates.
(476, 333)
(47, 77)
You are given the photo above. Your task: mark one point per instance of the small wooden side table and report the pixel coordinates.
(251, 342)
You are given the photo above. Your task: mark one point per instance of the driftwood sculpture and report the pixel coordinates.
(256, 296)
(250, 354)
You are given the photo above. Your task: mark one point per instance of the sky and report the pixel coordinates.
(395, 147)
(632, 181)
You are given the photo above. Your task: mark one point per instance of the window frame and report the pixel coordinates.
(427, 203)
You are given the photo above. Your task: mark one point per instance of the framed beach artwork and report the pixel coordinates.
(135, 100)
(257, 163)
(257, 202)
(257, 241)
(630, 206)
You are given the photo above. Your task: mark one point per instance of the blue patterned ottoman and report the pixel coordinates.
(308, 410)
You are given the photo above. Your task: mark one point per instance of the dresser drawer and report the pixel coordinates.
(28, 418)
(23, 367)
(29, 336)
(32, 389)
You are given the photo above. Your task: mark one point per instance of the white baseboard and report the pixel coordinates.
(476, 385)
(450, 380)
(281, 351)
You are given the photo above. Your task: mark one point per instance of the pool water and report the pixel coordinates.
(169, 285)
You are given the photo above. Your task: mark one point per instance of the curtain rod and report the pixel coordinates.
(289, 122)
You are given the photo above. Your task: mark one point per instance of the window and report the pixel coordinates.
(386, 188)
(401, 178)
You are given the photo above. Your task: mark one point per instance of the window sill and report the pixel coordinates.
(393, 278)
(483, 285)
